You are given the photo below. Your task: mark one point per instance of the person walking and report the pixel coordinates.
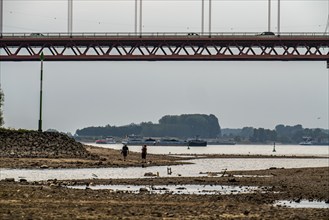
(144, 152)
(124, 151)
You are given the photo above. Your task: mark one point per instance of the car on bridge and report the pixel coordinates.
(36, 35)
(192, 34)
(267, 34)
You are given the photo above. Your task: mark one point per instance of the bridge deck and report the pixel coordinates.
(164, 46)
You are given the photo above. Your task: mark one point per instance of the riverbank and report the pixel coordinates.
(49, 200)
(102, 158)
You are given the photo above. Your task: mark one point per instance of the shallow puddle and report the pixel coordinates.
(177, 189)
(303, 204)
(253, 176)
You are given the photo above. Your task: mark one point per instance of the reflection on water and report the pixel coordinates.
(199, 168)
(287, 150)
(303, 204)
(178, 189)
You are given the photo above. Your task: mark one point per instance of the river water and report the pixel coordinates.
(178, 189)
(287, 150)
(198, 168)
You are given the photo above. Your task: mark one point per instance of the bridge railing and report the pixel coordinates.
(163, 34)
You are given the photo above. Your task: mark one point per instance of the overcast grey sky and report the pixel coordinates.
(80, 94)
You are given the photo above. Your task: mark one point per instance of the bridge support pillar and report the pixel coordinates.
(269, 16)
(202, 17)
(138, 17)
(210, 18)
(279, 17)
(1, 17)
(70, 17)
(327, 64)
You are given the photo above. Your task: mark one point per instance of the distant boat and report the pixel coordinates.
(133, 140)
(108, 140)
(171, 142)
(197, 143)
(221, 142)
(150, 141)
(306, 141)
(101, 141)
(138, 140)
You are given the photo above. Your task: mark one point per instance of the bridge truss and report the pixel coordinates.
(156, 47)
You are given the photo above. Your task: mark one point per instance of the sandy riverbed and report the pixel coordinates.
(49, 200)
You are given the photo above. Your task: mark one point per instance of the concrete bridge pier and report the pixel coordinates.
(1, 17)
(70, 17)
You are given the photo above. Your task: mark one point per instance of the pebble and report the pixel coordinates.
(143, 190)
(22, 180)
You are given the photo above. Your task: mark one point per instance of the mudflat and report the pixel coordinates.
(104, 157)
(53, 200)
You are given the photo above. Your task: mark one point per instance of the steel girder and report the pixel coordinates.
(165, 48)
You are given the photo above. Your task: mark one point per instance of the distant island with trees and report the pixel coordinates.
(207, 127)
(183, 126)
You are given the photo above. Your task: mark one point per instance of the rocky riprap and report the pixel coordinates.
(33, 144)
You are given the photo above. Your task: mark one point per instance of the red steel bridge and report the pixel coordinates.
(164, 46)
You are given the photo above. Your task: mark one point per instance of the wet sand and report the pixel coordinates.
(112, 158)
(50, 200)
(105, 158)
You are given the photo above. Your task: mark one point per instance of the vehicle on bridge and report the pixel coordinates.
(36, 35)
(267, 34)
(191, 34)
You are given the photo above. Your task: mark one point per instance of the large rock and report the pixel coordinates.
(20, 144)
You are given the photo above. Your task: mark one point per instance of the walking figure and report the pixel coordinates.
(124, 151)
(144, 152)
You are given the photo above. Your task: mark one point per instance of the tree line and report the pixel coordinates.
(180, 126)
(282, 133)
(207, 126)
